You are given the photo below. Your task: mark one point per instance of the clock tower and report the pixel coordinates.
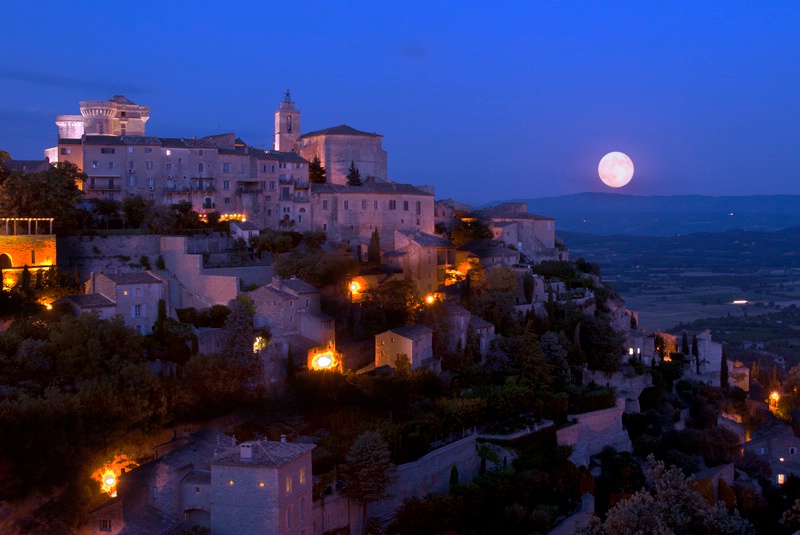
(287, 126)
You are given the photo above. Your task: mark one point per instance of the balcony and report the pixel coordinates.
(195, 186)
(104, 187)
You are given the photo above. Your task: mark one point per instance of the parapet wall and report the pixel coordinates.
(593, 431)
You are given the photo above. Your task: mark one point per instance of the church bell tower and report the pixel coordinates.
(287, 126)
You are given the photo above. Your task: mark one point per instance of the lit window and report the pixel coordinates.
(302, 476)
(95, 164)
(781, 479)
(124, 292)
(169, 152)
(230, 482)
(64, 151)
(261, 484)
(288, 483)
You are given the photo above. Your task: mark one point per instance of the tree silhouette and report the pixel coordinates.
(353, 175)
(368, 471)
(316, 172)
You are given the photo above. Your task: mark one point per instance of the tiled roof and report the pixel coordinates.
(121, 99)
(198, 477)
(341, 130)
(298, 286)
(289, 157)
(370, 186)
(91, 300)
(245, 225)
(426, 240)
(509, 210)
(264, 453)
(133, 278)
(413, 332)
(479, 323)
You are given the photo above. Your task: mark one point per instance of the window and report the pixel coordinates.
(419, 209)
(131, 180)
(241, 168)
(130, 150)
(264, 168)
(762, 451)
(405, 206)
(169, 167)
(149, 165)
(289, 517)
(138, 292)
(792, 450)
(95, 164)
(151, 183)
(346, 205)
(288, 483)
(151, 197)
(392, 205)
(106, 150)
(324, 205)
(64, 151)
(105, 525)
(227, 200)
(226, 167)
(272, 185)
(110, 165)
(33, 261)
(200, 168)
(364, 205)
(302, 507)
(281, 166)
(200, 153)
(169, 152)
(148, 150)
(137, 311)
(263, 186)
(324, 226)
(781, 479)
(375, 205)
(197, 490)
(303, 470)
(226, 184)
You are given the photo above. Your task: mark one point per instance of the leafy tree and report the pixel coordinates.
(135, 210)
(238, 338)
(494, 298)
(671, 506)
(368, 471)
(316, 172)
(353, 175)
(466, 230)
(601, 344)
(51, 193)
(374, 251)
(696, 353)
(684, 344)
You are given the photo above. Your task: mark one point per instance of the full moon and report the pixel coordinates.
(615, 169)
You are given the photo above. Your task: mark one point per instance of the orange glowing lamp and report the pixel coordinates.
(430, 299)
(355, 287)
(774, 398)
(323, 361)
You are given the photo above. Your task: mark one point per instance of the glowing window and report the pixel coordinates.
(288, 483)
(302, 476)
(781, 479)
(230, 482)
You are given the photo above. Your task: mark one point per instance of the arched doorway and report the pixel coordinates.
(5, 261)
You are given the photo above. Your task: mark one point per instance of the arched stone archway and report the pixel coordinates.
(5, 261)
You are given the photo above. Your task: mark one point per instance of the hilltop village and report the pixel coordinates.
(202, 336)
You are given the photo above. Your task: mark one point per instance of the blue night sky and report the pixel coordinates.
(483, 100)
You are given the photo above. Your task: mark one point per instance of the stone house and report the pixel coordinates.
(533, 235)
(488, 253)
(244, 230)
(206, 480)
(776, 443)
(133, 296)
(415, 342)
(421, 257)
(27, 241)
(290, 309)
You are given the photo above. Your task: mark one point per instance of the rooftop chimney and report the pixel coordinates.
(246, 451)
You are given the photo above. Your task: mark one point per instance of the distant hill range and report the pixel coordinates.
(607, 214)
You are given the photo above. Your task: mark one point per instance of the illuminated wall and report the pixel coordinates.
(17, 251)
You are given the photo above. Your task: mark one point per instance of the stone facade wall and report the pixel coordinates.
(430, 474)
(190, 286)
(112, 253)
(593, 431)
(337, 152)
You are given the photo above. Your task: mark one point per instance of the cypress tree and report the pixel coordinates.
(353, 175)
(723, 371)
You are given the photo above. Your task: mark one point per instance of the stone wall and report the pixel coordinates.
(592, 431)
(109, 254)
(429, 474)
(190, 285)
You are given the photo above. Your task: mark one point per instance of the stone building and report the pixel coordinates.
(134, 296)
(421, 257)
(415, 342)
(290, 309)
(341, 146)
(533, 235)
(206, 480)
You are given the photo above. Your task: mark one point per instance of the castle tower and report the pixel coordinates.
(116, 116)
(287, 126)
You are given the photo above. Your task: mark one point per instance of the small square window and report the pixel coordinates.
(105, 525)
